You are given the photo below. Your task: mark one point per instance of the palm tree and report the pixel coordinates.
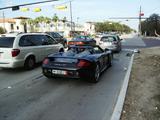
(55, 20)
(24, 23)
(31, 23)
(40, 21)
(64, 20)
(47, 22)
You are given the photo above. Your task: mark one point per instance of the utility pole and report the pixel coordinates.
(140, 21)
(3, 21)
(71, 16)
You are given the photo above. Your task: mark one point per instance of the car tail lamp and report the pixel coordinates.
(45, 61)
(83, 63)
(15, 52)
(75, 43)
(70, 43)
(79, 43)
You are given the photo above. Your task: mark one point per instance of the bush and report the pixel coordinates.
(2, 31)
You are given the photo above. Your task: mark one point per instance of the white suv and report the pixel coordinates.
(26, 49)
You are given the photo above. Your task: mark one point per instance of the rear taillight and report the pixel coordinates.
(79, 43)
(45, 61)
(75, 43)
(83, 63)
(15, 52)
(70, 43)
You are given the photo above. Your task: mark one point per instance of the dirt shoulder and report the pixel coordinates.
(143, 94)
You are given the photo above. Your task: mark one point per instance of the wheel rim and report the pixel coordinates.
(97, 73)
(30, 63)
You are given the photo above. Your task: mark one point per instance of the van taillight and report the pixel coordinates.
(71, 43)
(45, 61)
(15, 52)
(83, 63)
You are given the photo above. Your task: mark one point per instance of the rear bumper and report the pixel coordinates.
(11, 63)
(70, 72)
(112, 48)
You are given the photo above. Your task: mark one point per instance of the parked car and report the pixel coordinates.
(82, 40)
(112, 42)
(59, 38)
(78, 61)
(26, 49)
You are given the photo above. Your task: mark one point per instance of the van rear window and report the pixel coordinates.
(6, 42)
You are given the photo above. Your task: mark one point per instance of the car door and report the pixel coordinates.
(51, 45)
(100, 56)
(119, 42)
(32, 44)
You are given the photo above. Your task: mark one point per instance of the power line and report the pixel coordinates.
(27, 4)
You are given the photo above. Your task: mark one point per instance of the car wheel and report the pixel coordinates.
(95, 77)
(29, 63)
(110, 60)
(61, 50)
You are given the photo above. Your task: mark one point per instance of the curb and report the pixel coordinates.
(121, 98)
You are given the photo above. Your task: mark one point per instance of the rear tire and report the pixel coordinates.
(110, 60)
(29, 63)
(95, 76)
(61, 50)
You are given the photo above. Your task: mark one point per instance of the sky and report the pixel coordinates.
(88, 10)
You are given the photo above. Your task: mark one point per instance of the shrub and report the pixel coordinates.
(2, 30)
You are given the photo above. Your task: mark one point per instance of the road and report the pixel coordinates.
(28, 95)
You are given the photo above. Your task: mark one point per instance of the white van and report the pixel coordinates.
(26, 49)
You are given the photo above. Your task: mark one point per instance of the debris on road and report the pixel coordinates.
(9, 87)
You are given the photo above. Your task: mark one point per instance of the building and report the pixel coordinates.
(13, 24)
(19, 24)
(89, 28)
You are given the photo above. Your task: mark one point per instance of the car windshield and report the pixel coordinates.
(6, 42)
(79, 51)
(81, 38)
(108, 39)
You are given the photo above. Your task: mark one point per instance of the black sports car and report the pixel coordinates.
(82, 40)
(85, 62)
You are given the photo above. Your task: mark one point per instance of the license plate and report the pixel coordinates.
(59, 72)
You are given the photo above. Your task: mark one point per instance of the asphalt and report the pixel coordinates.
(28, 95)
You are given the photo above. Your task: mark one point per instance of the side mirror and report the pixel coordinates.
(121, 39)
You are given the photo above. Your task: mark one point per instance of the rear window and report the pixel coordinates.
(6, 42)
(81, 38)
(108, 39)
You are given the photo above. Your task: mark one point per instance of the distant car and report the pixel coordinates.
(112, 42)
(26, 49)
(59, 38)
(78, 61)
(82, 40)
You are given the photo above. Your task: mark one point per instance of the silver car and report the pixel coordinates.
(111, 42)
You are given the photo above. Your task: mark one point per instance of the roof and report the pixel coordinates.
(21, 17)
(7, 20)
